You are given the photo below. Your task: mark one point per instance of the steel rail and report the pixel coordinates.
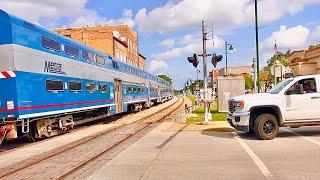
(7, 171)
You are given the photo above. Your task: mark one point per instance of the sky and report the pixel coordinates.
(170, 30)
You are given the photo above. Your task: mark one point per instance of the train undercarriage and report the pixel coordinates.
(46, 127)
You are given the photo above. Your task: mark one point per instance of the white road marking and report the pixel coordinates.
(262, 167)
(304, 137)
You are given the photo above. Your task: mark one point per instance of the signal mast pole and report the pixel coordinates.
(207, 114)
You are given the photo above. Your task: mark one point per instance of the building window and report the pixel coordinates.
(71, 50)
(117, 53)
(75, 86)
(54, 85)
(88, 56)
(68, 35)
(100, 60)
(91, 87)
(50, 43)
(128, 44)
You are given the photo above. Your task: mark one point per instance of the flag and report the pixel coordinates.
(275, 48)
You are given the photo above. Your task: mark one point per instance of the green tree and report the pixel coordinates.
(248, 81)
(165, 77)
(265, 74)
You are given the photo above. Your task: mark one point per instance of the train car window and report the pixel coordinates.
(130, 89)
(75, 86)
(91, 87)
(54, 85)
(71, 50)
(100, 60)
(88, 56)
(102, 87)
(50, 44)
(134, 89)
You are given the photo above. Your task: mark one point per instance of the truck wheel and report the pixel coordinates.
(266, 126)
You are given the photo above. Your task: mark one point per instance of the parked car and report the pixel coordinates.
(294, 102)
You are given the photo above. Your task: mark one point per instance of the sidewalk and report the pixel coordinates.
(182, 151)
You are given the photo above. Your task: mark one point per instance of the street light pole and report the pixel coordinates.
(207, 114)
(257, 43)
(226, 46)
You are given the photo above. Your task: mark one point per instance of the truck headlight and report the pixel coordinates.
(239, 104)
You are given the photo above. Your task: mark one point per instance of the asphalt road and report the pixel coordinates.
(208, 154)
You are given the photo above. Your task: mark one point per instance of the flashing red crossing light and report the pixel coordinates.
(215, 59)
(194, 60)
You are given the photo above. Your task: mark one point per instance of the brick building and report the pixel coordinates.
(119, 41)
(239, 70)
(305, 62)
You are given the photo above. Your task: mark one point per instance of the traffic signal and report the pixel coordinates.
(194, 60)
(215, 59)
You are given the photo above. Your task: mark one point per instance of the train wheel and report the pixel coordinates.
(33, 133)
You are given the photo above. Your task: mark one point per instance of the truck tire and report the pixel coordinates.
(266, 127)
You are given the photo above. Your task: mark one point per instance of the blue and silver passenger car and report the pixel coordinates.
(49, 83)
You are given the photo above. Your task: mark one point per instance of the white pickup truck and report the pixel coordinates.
(294, 102)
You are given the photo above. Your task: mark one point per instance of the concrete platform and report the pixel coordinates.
(181, 154)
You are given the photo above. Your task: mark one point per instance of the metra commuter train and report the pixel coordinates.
(49, 83)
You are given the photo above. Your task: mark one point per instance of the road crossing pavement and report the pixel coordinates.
(209, 154)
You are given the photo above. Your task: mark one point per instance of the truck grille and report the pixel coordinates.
(232, 106)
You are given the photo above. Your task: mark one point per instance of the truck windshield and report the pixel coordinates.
(280, 86)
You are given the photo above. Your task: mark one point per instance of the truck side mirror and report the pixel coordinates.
(299, 89)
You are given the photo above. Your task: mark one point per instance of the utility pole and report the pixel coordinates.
(257, 42)
(207, 114)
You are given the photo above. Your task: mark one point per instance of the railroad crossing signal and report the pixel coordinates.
(194, 60)
(215, 59)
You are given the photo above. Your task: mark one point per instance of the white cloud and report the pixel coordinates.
(157, 65)
(292, 38)
(168, 43)
(219, 13)
(34, 10)
(315, 36)
(188, 48)
(92, 18)
(53, 10)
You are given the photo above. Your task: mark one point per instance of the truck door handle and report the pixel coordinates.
(315, 97)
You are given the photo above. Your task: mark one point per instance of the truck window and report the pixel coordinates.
(280, 86)
(309, 86)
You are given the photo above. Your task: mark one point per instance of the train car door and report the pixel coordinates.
(118, 88)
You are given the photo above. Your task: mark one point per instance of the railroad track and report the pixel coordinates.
(69, 160)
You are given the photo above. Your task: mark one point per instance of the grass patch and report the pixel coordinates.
(193, 99)
(199, 116)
